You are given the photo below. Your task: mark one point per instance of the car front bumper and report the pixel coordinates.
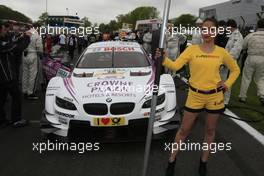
(137, 128)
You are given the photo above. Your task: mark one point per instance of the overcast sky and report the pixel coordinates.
(102, 10)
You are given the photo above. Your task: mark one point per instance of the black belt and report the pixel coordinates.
(219, 89)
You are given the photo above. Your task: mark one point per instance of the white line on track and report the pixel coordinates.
(254, 133)
(250, 130)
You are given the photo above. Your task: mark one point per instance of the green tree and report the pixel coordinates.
(140, 13)
(104, 28)
(185, 20)
(113, 25)
(86, 22)
(95, 25)
(9, 14)
(43, 18)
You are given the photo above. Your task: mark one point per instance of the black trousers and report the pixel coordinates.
(71, 52)
(11, 88)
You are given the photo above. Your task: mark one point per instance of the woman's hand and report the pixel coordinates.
(222, 85)
(28, 33)
(158, 54)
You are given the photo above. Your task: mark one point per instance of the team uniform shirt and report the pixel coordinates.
(254, 64)
(204, 67)
(62, 39)
(172, 46)
(35, 44)
(254, 42)
(197, 38)
(234, 44)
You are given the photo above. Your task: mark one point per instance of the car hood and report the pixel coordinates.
(110, 85)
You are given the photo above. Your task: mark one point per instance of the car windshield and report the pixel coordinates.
(113, 60)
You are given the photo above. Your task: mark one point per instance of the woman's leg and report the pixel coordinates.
(209, 133)
(183, 132)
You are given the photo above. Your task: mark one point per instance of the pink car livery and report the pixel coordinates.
(54, 67)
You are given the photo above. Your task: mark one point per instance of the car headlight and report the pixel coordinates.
(65, 104)
(160, 100)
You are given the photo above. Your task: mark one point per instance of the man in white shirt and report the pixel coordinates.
(234, 47)
(147, 39)
(196, 36)
(254, 64)
(62, 40)
(31, 64)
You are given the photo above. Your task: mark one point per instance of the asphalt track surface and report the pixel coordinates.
(17, 157)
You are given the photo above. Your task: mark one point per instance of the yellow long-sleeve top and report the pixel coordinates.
(205, 67)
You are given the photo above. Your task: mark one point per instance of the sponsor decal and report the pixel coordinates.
(64, 114)
(50, 87)
(63, 121)
(101, 95)
(219, 102)
(109, 49)
(110, 74)
(116, 49)
(109, 86)
(111, 121)
(207, 56)
(63, 73)
(147, 114)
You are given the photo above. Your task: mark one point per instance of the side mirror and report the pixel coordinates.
(71, 66)
(150, 56)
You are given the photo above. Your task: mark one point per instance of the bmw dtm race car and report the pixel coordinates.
(110, 86)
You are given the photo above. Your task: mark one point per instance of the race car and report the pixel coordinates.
(110, 87)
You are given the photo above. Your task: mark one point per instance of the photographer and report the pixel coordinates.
(8, 76)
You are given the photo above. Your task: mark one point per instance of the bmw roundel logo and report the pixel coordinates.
(108, 100)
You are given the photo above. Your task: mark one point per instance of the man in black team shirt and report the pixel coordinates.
(221, 39)
(8, 75)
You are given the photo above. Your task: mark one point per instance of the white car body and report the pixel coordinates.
(105, 87)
